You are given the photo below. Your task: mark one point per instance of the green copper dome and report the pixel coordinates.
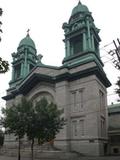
(79, 8)
(27, 41)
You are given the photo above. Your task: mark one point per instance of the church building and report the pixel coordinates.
(78, 86)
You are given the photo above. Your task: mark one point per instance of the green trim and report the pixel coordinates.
(27, 41)
(71, 34)
(33, 80)
(8, 97)
(36, 78)
(83, 59)
(79, 8)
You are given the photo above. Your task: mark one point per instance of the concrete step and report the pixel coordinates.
(41, 154)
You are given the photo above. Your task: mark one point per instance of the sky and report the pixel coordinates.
(44, 18)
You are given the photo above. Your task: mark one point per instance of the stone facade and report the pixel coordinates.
(78, 86)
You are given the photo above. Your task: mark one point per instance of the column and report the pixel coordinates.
(28, 67)
(22, 70)
(67, 48)
(25, 63)
(84, 42)
(71, 50)
(13, 73)
(13, 70)
(88, 30)
(98, 51)
(93, 43)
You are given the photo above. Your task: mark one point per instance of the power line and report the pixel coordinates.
(106, 45)
(108, 61)
(115, 53)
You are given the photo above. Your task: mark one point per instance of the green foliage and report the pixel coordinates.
(4, 66)
(1, 138)
(44, 121)
(41, 121)
(0, 21)
(118, 87)
(1, 11)
(50, 120)
(14, 119)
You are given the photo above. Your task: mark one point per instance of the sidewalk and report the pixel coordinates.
(81, 158)
(11, 158)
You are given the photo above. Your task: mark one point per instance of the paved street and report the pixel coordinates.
(100, 158)
(81, 158)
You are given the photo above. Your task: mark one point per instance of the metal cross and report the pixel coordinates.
(28, 31)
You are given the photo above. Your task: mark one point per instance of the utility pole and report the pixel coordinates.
(115, 53)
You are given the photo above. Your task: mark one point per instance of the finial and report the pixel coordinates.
(79, 2)
(28, 32)
(39, 57)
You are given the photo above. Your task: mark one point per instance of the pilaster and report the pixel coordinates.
(88, 34)
(93, 43)
(84, 42)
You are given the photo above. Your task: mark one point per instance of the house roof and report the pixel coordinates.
(114, 108)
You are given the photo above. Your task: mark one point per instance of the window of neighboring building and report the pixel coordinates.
(115, 139)
(115, 150)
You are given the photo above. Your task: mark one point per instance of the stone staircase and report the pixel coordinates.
(45, 152)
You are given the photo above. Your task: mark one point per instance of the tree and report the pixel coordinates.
(118, 87)
(1, 138)
(44, 122)
(15, 121)
(0, 21)
(41, 121)
(4, 66)
(31, 125)
(50, 117)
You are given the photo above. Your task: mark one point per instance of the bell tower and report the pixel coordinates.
(24, 60)
(81, 36)
(86, 85)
